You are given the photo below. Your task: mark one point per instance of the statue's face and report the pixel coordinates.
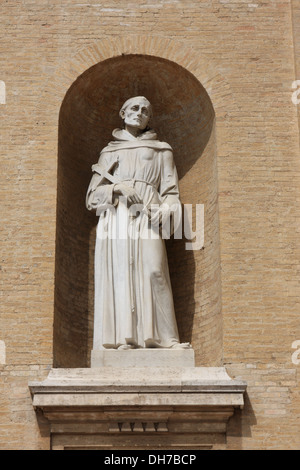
(137, 114)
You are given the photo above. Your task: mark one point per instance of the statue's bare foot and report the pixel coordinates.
(181, 346)
(125, 347)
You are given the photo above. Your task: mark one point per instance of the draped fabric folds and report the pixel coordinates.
(133, 295)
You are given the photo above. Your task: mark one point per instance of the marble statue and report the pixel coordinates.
(133, 296)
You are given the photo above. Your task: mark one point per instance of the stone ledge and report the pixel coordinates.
(172, 406)
(138, 380)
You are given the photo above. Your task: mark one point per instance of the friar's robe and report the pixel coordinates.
(133, 296)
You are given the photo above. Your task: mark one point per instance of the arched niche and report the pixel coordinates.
(185, 118)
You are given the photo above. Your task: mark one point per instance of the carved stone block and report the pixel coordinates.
(138, 408)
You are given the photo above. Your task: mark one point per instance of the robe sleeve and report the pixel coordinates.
(169, 188)
(169, 192)
(100, 195)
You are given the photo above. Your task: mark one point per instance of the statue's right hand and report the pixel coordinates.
(128, 192)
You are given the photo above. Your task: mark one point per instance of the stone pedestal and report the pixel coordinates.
(138, 407)
(143, 358)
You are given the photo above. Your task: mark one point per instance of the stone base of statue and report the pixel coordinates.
(143, 358)
(111, 408)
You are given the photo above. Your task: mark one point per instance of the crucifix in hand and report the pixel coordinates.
(105, 173)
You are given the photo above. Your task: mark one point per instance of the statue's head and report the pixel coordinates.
(136, 112)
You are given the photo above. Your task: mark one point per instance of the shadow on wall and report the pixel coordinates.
(183, 117)
(240, 424)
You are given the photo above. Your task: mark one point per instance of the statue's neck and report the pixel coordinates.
(124, 135)
(134, 131)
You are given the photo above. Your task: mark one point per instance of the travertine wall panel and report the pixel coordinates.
(245, 55)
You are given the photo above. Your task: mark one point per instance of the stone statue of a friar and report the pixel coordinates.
(133, 296)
